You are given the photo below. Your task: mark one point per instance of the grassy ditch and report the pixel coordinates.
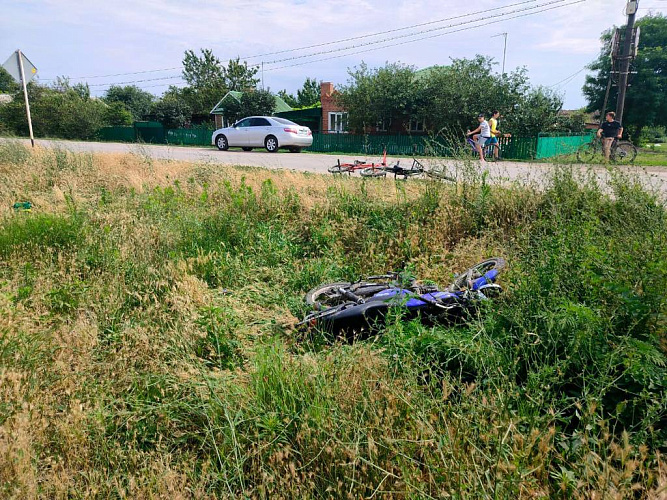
(147, 344)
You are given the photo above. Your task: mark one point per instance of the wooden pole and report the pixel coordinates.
(25, 95)
(625, 64)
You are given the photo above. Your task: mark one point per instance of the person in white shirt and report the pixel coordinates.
(481, 135)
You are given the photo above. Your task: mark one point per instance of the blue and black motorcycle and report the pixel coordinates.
(357, 309)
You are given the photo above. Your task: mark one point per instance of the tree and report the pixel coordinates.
(56, 112)
(203, 71)
(7, 83)
(208, 81)
(252, 103)
(117, 114)
(239, 76)
(573, 122)
(646, 98)
(536, 112)
(172, 113)
(288, 98)
(447, 98)
(309, 94)
(62, 84)
(379, 96)
(137, 101)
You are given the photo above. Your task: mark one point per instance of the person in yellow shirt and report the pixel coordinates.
(495, 133)
(493, 123)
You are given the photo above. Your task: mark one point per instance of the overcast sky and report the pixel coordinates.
(90, 38)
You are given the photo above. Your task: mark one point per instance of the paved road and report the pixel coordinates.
(319, 163)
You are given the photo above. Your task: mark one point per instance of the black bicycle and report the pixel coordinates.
(622, 152)
(417, 169)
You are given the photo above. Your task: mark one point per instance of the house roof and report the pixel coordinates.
(299, 114)
(219, 109)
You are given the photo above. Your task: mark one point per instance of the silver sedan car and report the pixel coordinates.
(267, 132)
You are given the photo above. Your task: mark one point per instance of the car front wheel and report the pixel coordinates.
(221, 142)
(271, 144)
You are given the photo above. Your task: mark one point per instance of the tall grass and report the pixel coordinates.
(147, 343)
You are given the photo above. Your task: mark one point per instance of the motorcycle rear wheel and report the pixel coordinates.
(327, 294)
(476, 271)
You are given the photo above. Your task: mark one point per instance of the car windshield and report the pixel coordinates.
(284, 121)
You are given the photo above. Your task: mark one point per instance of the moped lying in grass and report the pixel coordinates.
(355, 310)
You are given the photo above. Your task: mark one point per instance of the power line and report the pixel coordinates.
(135, 81)
(487, 23)
(502, 17)
(296, 49)
(409, 35)
(116, 74)
(567, 79)
(479, 25)
(359, 37)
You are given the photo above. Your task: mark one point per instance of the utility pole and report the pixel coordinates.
(25, 95)
(631, 11)
(504, 49)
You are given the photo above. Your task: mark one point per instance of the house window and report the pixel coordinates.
(337, 122)
(417, 125)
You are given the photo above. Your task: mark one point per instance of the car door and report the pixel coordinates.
(238, 133)
(257, 132)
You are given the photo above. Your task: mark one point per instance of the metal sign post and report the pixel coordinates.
(15, 66)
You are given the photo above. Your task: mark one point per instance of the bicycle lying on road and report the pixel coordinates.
(622, 152)
(417, 169)
(348, 168)
(354, 310)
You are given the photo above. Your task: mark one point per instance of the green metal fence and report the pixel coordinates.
(117, 134)
(151, 132)
(550, 145)
(189, 137)
(518, 148)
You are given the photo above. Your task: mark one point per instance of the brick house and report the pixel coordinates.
(334, 118)
(331, 118)
(327, 118)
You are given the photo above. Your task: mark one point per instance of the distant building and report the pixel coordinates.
(219, 110)
(326, 118)
(5, 98)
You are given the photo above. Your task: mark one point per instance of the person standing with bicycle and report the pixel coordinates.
(495, 134)
(610, 130)
(481, 135)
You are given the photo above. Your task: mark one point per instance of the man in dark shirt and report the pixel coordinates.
(609, 130)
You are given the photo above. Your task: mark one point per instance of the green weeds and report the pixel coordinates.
(147, 343)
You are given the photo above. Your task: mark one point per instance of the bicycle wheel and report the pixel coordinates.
(327, 294)
(440, 172)
(589, 152)
(625, 152)
(475, 272)
(373, 172)
(340, 169)
(415, 171)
